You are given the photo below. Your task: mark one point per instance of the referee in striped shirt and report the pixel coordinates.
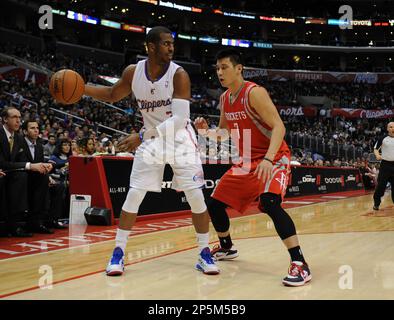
(384, 151)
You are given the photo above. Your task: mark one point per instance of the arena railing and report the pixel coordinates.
(16, 97)
(107, 129)
(26, 64)
(320, 146)
(138, 116)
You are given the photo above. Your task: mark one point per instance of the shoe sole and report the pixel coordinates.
(114, 273)
(212, 272)
(297, 284)
(226, 257)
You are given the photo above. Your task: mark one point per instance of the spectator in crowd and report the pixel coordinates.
(319, 163)
(74, 147)
(363, 170)
(61, 154)
(59, 192)
(79, 133)
(49, 147)
(86, 147)
(107, 146)
(372, 173)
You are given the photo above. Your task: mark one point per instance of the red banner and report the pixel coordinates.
(362, 113)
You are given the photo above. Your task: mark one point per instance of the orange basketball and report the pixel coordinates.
(66, 86)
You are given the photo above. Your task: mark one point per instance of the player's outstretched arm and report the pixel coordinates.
(118, 91)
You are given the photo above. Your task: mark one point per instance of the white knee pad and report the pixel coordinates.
(196, 200)
(133, 200)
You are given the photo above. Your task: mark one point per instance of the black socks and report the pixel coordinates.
(226, 242)
(296, 254)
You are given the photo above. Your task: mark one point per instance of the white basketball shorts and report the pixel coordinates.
(180, 153)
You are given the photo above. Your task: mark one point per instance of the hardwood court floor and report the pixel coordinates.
(350, 252)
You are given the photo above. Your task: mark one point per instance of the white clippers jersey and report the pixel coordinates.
(154, 98)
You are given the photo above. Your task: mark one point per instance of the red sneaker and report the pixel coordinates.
(298, 274)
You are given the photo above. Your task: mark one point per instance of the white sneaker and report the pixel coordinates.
(205, 262)
(115, 266)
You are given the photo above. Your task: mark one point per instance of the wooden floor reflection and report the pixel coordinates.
(350, 252)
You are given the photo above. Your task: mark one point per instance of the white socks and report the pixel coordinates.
(121, 238)
(202, 240)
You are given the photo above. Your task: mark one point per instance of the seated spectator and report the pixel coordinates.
(366, 179)
(61, 154)
(108, 147)
(50, 146)
(86, 147)
(58, 187)
(319, 163)
(369, 174)
(294, 161)
(74, 147)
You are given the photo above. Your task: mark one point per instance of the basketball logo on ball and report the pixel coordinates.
(66, 86)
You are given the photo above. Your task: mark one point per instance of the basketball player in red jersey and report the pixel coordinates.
(258, 131)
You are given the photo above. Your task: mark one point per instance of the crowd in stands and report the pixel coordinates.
(125, 119)
(343, 95)
(361, 133)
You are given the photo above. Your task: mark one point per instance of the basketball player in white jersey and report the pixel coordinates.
(162, 89)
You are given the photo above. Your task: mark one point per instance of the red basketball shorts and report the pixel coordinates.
(239, 187)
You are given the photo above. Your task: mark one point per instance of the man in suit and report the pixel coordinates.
(15, 181)
(37, 182)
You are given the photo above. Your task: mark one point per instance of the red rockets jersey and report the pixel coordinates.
(250, 134)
